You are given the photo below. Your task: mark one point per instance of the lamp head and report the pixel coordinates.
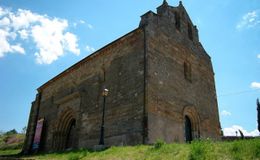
(105, 92)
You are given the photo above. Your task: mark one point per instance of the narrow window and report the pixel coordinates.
(190, 32)
(177, 21)
(187, 71)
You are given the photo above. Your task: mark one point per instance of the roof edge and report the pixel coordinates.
(70, 69)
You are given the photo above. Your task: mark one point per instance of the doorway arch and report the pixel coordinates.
(65, 135)
(191, 123)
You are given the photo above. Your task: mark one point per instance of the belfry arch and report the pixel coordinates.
(64, 136)
(191, 123)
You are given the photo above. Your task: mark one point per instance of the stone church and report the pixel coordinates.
(155, 82)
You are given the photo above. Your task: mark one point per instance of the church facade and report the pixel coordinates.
(160, 85)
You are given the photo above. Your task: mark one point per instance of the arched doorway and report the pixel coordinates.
(191, 123)
(65, 135)
(188, 129)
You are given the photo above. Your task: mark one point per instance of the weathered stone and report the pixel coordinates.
(159, 77)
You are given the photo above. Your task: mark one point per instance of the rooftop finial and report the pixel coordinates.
(180, 3)
(165, 2)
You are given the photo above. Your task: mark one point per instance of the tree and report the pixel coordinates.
(24, 130)
(258, 113)
(13, 131)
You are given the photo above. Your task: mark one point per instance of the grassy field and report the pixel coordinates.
(11, 143)
(198, 150)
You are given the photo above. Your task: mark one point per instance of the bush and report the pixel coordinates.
(198, 150)
(236, 150)
(11, 146)
(246, 148)
(14, 141)
(74, 157)
(159, 143)
(235, 147)
(256, 150)
(13, 131)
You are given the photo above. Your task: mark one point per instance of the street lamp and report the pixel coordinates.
(104, 94)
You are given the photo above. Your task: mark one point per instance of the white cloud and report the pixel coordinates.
(255, 85)
(17, 48)
(231, 131)
(23, 34)
(89, 49)
(75, 24)
(3, 11)
(48, 37)
(249, 20)
(4, 21)
(48, 34)
(12, 35)
(70, 41)
(90, 26)
(82, 21)
(24, 18)
(258, 56)
(225, 113)
(5, 46)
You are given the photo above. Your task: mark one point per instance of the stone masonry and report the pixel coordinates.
(161, 86)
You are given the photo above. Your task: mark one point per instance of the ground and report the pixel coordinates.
(197, 150)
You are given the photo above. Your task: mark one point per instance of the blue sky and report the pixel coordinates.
(39, 39)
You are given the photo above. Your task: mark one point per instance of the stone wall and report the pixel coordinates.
(76, 93)
(170, 95)
(31, 126)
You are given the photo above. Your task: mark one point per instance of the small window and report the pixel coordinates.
(177, 21)
(187, 71)
(190, 32)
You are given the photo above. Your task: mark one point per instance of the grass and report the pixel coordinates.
(197, 150)
(11, 144)
(10, 152)
(11, 141)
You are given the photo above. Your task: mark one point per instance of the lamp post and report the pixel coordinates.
(104, 94)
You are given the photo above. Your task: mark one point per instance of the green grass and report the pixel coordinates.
(17, 144)
(197, 150)
(10, 152)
